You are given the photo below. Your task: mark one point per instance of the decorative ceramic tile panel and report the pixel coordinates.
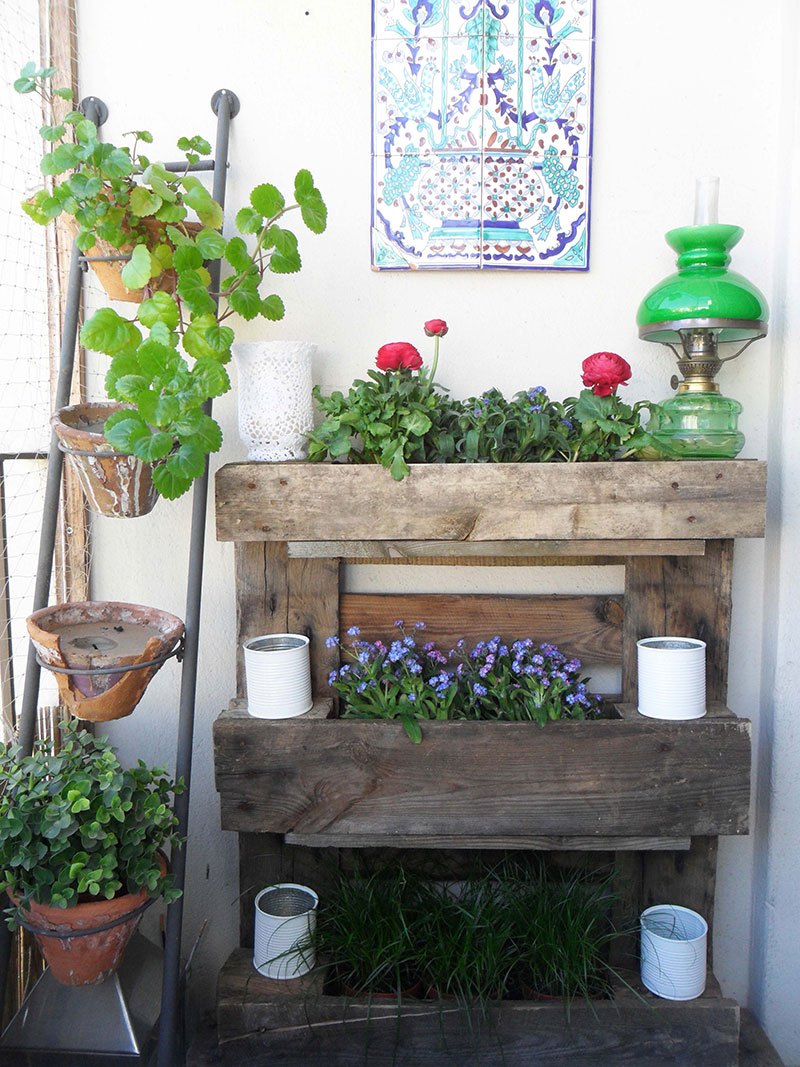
(482, 134)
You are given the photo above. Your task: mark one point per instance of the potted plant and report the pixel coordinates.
(81, 842)
(120, 196)
(406, 680)
(400, 416)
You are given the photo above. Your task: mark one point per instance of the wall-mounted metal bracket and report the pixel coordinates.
(233, 102)
(95, 109)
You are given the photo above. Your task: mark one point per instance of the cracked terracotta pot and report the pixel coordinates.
(86, 959)
(115, 485)
(90, 635)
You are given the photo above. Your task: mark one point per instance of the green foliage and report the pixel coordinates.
(74, 824)
(136, 205)
(399, 417)
(515, 929)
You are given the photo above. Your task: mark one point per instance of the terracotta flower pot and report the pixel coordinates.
(114, 485)
(88, 958)
(110, 274)
(89, 635)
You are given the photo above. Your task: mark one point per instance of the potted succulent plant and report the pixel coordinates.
(81, 842)
(119, 196)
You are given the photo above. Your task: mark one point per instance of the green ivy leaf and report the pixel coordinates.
(199, 199)
(186, 257)
(86, 131)
(237, 255)
(129, 428)
(245, 300)
(59, 160)
(64, 94)
(159, 308)
(210, 243)
(167, 409)
(130, 387)
(108, 332)
(84, 186)
(248, 220)
(169, 482)
(156, 360)
(171, 213)
(281, 263)
(42, 207)
(138, 270)
(114, 162)
(272, 308)
(144, 202)
(303, 185)
(315, 214)
(52, 133)
(211, 378)
(194, 293)
(204, 339)
(155, 446)
(207, 435)
(119, 367)
(267, 200)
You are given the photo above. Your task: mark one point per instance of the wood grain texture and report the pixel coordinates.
(589, 627)
(314, 611)
(686, 597)
(262, 596)
(491, 502)
(490, 553)
(464, 841)
(608, 778)
(291, 1024)
(684, 878)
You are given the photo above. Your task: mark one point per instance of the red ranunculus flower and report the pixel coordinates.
(604, 371)
(436, 327)
(397, 355)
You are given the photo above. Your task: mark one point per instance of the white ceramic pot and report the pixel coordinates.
(672, 677)
(286, 918)
(276, 409)
(673, 952)
(278, 673)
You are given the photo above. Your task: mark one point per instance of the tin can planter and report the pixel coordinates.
(103, 653)
(114, 485)
(672, 677)
(278, 672)
(673, 952)
(276, 409)
(75, 948)
(286, 919)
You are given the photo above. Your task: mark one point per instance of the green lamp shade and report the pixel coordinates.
(703, 293)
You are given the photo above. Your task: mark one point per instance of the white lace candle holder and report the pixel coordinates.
(276, 410)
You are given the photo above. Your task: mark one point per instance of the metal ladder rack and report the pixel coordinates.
(225, 105)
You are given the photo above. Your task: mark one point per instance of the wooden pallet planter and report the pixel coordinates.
(651, 797)
(293, 1024)
(629, 777)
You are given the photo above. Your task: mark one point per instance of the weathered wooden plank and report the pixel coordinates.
(487, 553)
(685, 878)
(687, 597)
(268, 1023)
(491, 502)
(606, 778)
(262, 595)
(466, 841)
(589, 627)
(314, 611)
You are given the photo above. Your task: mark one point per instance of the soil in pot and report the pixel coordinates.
(114, 485)
(88, 635)
(85, 959)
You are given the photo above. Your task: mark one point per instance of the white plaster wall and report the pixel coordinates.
(682, 89)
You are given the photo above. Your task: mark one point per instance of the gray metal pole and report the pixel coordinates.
(226, 105)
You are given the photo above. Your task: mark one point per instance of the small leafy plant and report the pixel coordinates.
(75, 825)
(404, 680)
(400, 416)
(137, 206)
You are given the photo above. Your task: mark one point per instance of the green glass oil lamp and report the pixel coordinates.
(702, 306)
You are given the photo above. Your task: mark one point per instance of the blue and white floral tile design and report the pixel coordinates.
(482, 134)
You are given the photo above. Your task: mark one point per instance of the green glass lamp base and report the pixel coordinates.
(698, 426)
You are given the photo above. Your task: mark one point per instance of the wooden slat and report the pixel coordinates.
(262, 596)
(530, 844)
(606, 778)
(267, 1023)
(589, 627)
(488, 553)
(684, 878)
(314, 611)
(491, 502)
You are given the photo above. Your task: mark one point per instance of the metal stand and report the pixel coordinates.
(225, 105)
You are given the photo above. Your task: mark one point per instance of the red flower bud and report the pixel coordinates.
(436, 327)
(398, 355)
(604, 371)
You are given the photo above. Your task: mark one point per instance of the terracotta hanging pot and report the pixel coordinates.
(109, 274)
(86, 636)
(86, 959)
(114, 485)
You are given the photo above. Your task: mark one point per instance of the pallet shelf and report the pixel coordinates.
(652, 797)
